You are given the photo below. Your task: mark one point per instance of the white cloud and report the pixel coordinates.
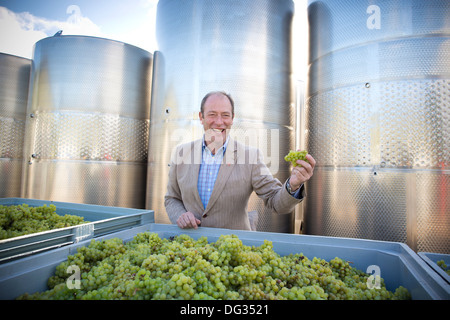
(20, 31)
(77, 24)
(17, 37)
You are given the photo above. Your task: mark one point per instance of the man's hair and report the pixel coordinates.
(202, 105)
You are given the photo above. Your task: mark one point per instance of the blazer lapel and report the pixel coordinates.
(229, 160)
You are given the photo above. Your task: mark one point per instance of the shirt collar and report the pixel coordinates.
(223, 147)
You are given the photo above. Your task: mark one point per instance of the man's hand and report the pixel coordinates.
(303, 173)
(188, 220)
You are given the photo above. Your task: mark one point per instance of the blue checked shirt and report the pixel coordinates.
(209, 169)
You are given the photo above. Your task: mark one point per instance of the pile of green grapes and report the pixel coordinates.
(18, 220)
(443, 266)
(293, 156)
(150, 267)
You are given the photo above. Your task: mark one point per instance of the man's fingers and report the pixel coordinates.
(306, 165)
(188, 220)
(305, 168)
(304, 172)
(311, 160)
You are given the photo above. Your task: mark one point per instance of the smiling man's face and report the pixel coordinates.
(217, 119)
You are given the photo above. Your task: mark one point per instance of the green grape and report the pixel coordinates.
(293, 156)
(443, 266)
(18, 220)
(149, 267)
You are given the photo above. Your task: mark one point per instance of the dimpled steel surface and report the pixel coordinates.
(14, 79)
(87, 122)
(377, 113)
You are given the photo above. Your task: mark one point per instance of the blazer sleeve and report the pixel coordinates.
(271, 190)
(172, 199)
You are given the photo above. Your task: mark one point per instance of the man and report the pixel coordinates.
(211, 179)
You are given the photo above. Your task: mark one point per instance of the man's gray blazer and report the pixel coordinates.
(241, 172)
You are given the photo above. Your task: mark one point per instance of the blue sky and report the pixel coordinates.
(24, 22)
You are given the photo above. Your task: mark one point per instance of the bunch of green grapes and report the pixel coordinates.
(18, 220)
(443, 266)
(150, 267)
(293, 156)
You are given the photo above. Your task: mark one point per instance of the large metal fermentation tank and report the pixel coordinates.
(87, 122)
(240, 47)
(378, 114)
(14, 81)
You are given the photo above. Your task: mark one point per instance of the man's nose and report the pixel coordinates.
(219, 120)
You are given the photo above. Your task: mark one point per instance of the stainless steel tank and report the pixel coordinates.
(378, 114)
(88, 121)
(242, 48)
(14, 81)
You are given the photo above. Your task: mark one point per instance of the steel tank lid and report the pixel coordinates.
(93, 38)
(14, 56)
